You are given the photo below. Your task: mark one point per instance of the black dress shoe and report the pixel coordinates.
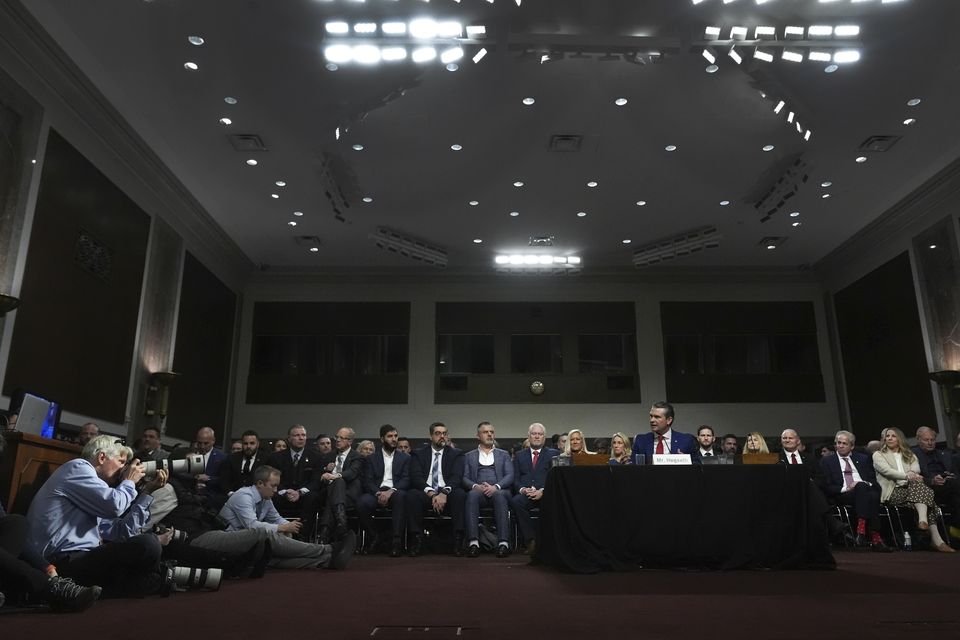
(861, 541)
(343, 550)
(458, 545)
(416, 546)
(396, 549)
(880, 547)
(370, 544)
(503, 551)
(473, 551)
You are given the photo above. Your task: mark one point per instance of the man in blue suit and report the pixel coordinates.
(487, 478)
(386, 479)
(530, 469)
(662, 438)
(850, 479)
(206, 485)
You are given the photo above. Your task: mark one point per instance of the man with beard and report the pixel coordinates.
(385, 481)
(436, 474)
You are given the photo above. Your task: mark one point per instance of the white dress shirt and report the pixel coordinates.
(387, 480)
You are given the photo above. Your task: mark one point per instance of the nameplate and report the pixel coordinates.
(672, 458)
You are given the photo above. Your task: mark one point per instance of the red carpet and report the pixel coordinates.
(900, 595)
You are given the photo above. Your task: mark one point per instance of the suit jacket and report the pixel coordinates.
(833, 473)
(352, 471)
(451, 466)
(525, 475)
(231, 471)
(502, 466)
(942, 456)
(697, 457)
(645, 443)
(212, 469)
(374, 471)
(810, 465)
(297, 476)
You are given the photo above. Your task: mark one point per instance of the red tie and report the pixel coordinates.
(659, 445)
(793, 458)
(536, 456)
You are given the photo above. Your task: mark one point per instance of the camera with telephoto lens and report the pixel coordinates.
(177, 578)
(191, 464)
(178, 535)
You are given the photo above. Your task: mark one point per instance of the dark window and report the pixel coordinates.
(607, 353)
(740, 354)
(682, 354)
(369, 355)
(461, 354)
(536, 354)
(288, 355)
(795, 354)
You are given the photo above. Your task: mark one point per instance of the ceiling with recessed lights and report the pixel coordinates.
(470, 136)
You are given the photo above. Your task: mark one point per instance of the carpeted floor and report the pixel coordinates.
(900, 595)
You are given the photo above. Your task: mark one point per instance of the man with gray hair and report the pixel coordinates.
(530, 469)
(92, 500)
(940, 474)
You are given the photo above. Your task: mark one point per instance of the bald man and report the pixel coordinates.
(207, 484)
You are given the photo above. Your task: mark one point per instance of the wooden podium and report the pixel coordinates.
(27, 462)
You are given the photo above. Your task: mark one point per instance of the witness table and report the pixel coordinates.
(700, 517)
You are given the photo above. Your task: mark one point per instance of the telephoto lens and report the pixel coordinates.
(192, 465)
(192, 578)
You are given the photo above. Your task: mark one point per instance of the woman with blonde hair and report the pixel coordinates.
(619, 449)
(898, 472)
(755, 443)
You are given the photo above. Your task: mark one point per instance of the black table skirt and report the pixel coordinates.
(699, 517)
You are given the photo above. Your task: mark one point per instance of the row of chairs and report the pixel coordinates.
(898, 519)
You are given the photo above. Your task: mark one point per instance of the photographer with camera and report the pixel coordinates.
(88, 516)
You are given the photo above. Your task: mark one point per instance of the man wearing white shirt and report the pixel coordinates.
(385, 481)
(705, 440)
(488, 480)
(436, 474)
(338, 485)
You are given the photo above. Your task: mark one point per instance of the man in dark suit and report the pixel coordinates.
(206, 486)
(297, 465)
(436, 476)
(705, 442)
(530, 468)
(939, 472)
(150, 447)
(385, 482)
(488, 479)
(237, 470)
(338, 485)
(661, 437)
(849, 479)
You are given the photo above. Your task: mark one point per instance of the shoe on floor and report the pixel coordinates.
(473, 551)
(343, 551)
(63, 594)
(503, 551)
(943, 547)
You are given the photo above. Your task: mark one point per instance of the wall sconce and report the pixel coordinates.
(158, 393)
(947, 381)
(8, 304)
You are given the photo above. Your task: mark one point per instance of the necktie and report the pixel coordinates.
(659, 445)
(339, 466)
(246, 466)
(847, 475)
(296, 458)
(708, 453)
(793, 458)
(536, 456)
(435, 474)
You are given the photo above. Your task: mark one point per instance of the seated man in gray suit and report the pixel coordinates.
(487, 478)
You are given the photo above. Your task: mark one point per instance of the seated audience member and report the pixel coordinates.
(8, 420)
(530, 469)
(619, 449)
(338, 485)
(576, 448)
(824, 451)
(87, 520)
(729, 445)
(705, 440)
(236, 446)
(560, 444)
(602, 446)
(849, 479)
(403, 445)
(280, 445)
(755, 443)
(24, 573)
(297, 466)
(488, 479)
(365, 448)
(385, 482)
(88, 432)
(150, 446)
(323, 444)
(940, 474)
(901, 483)
(237, 470)
(436, 482)
(251, 508)
(873, 446)
(206, 486)
(662, 438)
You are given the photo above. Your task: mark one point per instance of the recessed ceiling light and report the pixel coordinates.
(252, 162)
(771, 247)
(367, 199)
(518, 183)
(825, 196)
(933, 246)
(830, 68)
(795, 214)
(641, 203)
(314, 249)
(477, 241)
(797, 223)
(358, 147)
(299, 214)
(456, 147)
(230, 100)
(712, 68)
(275, 196)
(626, 241)
(337, 27)
(768, 147)
(620, 102)
(724, 203)
(670, 147)
(452, 66)
(332, 66)
(292, 223)
(514, 214)
(195, 40)
(912, 102)
(528, 101)
(592, 183)
(581, 214)
(280, 183)
(473, 203)
(826, 184)
(226, 121)
(910, 121)
(861, 159)
(191, 66)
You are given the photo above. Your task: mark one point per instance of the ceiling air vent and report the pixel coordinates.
(879, 144)
(307, 241)
(541, 241)
(247, 142)
(565, 143)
